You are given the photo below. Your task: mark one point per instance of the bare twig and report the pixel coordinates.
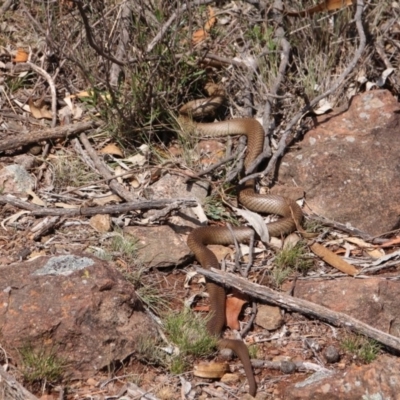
(45, 134)
(171, 19)
(104, 171)
(113, 209)
(6, 5)
(123, 42)
(53, 92)
(89, 35)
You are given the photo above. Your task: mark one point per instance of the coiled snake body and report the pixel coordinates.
(199, 238)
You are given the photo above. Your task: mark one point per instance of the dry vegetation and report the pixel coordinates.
(130, 65)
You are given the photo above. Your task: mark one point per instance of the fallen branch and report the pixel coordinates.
(301, 306)
(11, 389)
(114, 209)
(46, 134)
(102, 168)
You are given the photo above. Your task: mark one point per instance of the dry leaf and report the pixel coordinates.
(41, 110)
(101, 222)
(369, 248)
(332, 259)
(21, 56)
(211, 370)
(112, 149)
(35, 199)
(327, 5)
(233, 307)
(256, 221)
(201, 34)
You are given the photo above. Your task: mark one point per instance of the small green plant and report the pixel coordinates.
(41, 366)
(125, 246)
(279, 275)
(147, 293)
(178, 365)
(148, 349)
(362, 347)
(215, 209)
(120, 245)
(189, 333)
(293, 257)
(253, 350)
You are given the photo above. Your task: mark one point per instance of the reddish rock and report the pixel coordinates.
(155, 244)
(378, 380)
(370, 300)
(349, 164)
(76, 305)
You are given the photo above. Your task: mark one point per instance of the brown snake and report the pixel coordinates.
(199, 238)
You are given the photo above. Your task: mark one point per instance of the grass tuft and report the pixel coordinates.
(361, 347)
(41, 367)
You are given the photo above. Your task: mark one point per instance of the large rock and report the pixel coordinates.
(379, 380)
(159, 246)
(76, 305)
(349, 164)
(372, 301)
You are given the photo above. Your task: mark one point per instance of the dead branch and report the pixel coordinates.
(104, 171)
(11, 389)
(61, 132)
(113, 209)
(123, 44)
(339, 81)
(301, 306)
(90, 38)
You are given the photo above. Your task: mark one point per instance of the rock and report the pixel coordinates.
(368, 300)
(159, 246)
(348, 165)
(171, 187)
(331, 354)
(101, 222)
(15, 179)
(75, 304)
(288, 367)
(269, 317)
(378, 380)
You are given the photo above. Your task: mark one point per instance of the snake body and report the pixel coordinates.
(199, 238)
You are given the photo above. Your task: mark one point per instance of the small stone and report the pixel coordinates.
(331, 354)
(269, 317)
(288, 367)
(92, 382)
(230, 379)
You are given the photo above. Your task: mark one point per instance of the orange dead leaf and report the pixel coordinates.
(39, 111)
(21, 56)
(201, 34)
(234, 304)
(332, 259)
(327, 5)
(112, 149)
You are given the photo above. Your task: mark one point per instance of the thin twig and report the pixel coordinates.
(105, 172)
(171, 19)
(89, 36)
(53, 92)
